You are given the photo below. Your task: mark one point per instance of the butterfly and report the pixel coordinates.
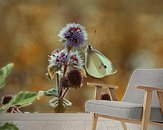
(96, 64)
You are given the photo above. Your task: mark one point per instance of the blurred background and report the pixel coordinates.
(129, 33)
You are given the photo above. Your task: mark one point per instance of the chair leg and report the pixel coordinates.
(124, 125)
(146, 110)
(94, 123)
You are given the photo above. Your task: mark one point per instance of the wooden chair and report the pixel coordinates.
(138, 105)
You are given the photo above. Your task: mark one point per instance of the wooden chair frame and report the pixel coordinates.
(146, 106)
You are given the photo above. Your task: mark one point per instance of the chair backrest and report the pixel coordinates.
(143, 77)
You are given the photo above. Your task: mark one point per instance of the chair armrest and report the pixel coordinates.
(106, 86)
(147, 88)
(98, 89)
(148, 101)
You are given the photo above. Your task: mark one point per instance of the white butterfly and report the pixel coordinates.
(96, 64)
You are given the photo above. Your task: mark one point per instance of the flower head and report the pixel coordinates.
(75, 60)
(75, 78)
(6, 99)
(105, 96)
(64, 82)
(73, 35)
(57, 59)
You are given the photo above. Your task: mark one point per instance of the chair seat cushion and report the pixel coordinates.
(131, 111)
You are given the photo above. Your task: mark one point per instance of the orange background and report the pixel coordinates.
(129, 33)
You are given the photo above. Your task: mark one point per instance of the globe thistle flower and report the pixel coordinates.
(75, 60)
(75, 78)
(73, 35)
(64, 82)
(105, 96)
(57, 59)
(6, 99)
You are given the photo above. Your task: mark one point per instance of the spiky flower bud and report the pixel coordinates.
(6, 99)
(64, 82)
(75, 78)
(105, 96)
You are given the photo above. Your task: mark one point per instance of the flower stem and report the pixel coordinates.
(64, 73)
(65, 69)
(65, 65)
(65, 92)
(58, 84)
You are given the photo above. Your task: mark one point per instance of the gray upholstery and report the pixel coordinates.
(143, 77)
(132, 102)
(124, 110)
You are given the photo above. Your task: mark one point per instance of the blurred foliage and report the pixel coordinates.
(4, 72)
(128, 32)
(24, 98)
(8, 126)
(20, 99)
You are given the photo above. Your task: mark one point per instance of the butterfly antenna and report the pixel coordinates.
(89, 43)
(93, 36)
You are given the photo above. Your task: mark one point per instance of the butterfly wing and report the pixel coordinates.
(106, 63)
(93, 65)
(96, 64)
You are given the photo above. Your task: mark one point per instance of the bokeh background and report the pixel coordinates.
(129, 33)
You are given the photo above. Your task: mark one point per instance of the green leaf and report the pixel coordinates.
(4, 108)
(56, 101)
(8, 126)
(4, 72)
(67, 102)
(22, 98)
(51, 92)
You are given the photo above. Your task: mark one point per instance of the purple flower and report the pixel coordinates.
(73, 35)
(75, 60)
(57, 59)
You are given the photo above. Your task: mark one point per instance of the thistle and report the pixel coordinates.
(73, 35)
(65, 64)
(75, 78)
